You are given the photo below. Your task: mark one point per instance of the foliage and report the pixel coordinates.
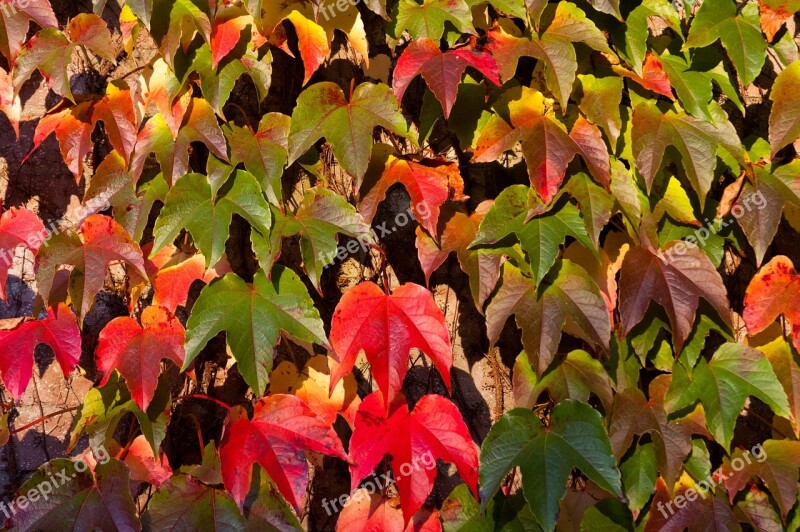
(619, 177)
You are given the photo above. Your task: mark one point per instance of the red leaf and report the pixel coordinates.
(143, 464)
(225, 35)
(136, 350)
(773, 291)
(172, 276)
(18, 227)
(74, 125)
(283, 426)
(593, 149)
(442, 71)
(387, 327)
(653, 76)
(59, 330)
(433, 430)
(429, 183)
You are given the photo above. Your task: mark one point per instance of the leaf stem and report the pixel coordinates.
(44, 418)
(223, 404)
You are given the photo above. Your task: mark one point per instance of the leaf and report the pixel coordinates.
(415, 439)
(10, 103)
(722, 386)
(50, 51)
(264, 508)
(371, 511)
(773, 291)
(601, 102)
(282, 427)
(782, 360)
(482, 265)
(198, 124)
(18, 227)
(190, 204)
(185, 503)
(143, 464)
(427, 20)
(696, 140)
(59, 330)
(523, 115)
(566, 25)
(594, 202)
(323, 111)
(15, 19)
(637, 29)
(442, 71)
(639, 476)
(253, 316)
(136, 350)
(263, 152)
(429, 183)
(174, 24)
(575, 376)
(774, 14)
(634, 414)
(740, 35)
(575, 438)
(103, 409)
(74, 126)
(708, 512)
(386, 327)
(777, 465)
(653, 77)
(320, 217)
(229, 23)
(675, 278)
(98, 244)
(784, 117)
(312, 385)
(541, 313)
(91, 500)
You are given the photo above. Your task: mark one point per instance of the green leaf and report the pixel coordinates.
(740, 35)
(427, 19)
(218, 83)
(576, 376)
(594, 202)
(103, 408)
(319, 218)
(637, 30)
(601, 102)
(175, 23)
(253, 316)
(191, 205)
(185, 503)
(542, 313)
(323, 111)
(639, 476)
(266, 509)
(722, 385)
(575, 438)
(263, 152)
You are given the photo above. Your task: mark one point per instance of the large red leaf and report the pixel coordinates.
(136, 350)
(775, 290)
(59, 330)
(415, 440)
(283, 426)
(429, 182)
(442, 71)
(386, 328)
(18, 227)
